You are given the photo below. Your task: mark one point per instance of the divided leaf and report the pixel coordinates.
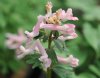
(63, 71)
(33, 59)
(52, 56)
(60, 45)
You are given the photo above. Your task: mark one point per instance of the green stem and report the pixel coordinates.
(50, 40)
(49, 47)
(48, 73)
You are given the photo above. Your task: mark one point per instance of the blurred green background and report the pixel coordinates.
(16, 14)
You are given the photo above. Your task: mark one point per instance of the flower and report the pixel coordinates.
(14, 41)
(22, 52)
(67, 30)
(67, 37)
(36, 28)
(46, 61)
(44, 58)
(49, 8)
(69, 60)
(69, 33)
(68, 15)
(36, 46)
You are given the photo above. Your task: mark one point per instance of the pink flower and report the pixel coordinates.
(36, 28)
(67, 37)
(36, 46)
(52, 27)
(14, 41)
(69, 60)
(64, 28)
(67, 15)
(46, 61)
(44, 58)
(67, 31)
(30, 47)
(22, 52)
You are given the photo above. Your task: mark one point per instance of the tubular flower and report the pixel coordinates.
(49, 8)
(69, 33)
(67, 37)
(69, 60)
(30, 48)
(46, 61)
(68, 15)
(36, 28)
(14, 41)
(44, 57)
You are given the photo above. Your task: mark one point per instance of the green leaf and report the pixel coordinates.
(63, 71)
(52, 56)
(56, 34)
(2, 21)
(93, 14)
(86, 75)
(91, 36)
(99, 36)
(33, 59)
(59, 45)
(95, 70)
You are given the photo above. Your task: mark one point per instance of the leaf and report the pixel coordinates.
(99, 36)
(91, 36)
(63, 71)
(93, 14)
(33, 59)
(56, 34)
(52, 56)
(45, 38)
(60, 45)
(2, 21)
(86, 75)
(95, 70)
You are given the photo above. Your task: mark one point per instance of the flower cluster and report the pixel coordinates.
(50, 21)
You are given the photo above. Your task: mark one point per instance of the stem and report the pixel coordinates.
(49, 47)
(50, 40)
(48, 73)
